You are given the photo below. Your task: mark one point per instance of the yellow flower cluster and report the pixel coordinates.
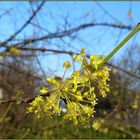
(15, 51)
(99, 125)
(78, 113)
(78, 91)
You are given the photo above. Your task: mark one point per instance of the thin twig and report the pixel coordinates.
(25, 24)
(69, 32)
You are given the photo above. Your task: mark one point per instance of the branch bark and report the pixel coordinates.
(69, 32)
(71, 53)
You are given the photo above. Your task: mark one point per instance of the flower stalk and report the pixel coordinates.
(130, 35)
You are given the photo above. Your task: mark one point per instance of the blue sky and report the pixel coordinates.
(97, 40)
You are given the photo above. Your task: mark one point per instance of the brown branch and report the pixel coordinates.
(71, 31)
(28, 100)
(21, 101)
(71, 53)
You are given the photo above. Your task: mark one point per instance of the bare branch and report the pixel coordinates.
(25, 24)
(71, 53)
(21, 101)
(29, 100)
(71, 31)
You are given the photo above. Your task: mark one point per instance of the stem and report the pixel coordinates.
(130, 35)
(64, 73)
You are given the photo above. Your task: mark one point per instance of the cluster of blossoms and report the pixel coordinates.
(14, 51)
(79, 91)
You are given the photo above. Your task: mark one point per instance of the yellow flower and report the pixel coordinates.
(96, 125)
(15, 51)
(43, 90)
(67, 64)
